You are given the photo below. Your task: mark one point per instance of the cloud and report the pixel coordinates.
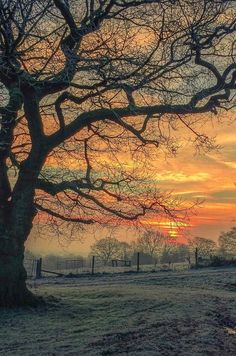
(182, 177)
(225, 196)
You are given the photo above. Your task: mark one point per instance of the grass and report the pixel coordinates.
(168, 313)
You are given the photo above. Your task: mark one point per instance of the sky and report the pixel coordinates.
(207, 177)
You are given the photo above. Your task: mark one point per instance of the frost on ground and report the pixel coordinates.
(168, 313)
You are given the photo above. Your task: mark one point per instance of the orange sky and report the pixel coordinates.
(210, 177)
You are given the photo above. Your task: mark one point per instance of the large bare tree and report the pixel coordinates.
(84, 83)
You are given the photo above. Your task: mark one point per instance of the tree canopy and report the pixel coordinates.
(85, 88)
(227, 243)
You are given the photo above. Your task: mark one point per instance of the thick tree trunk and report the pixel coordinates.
(13, 290)
(17, 205)
(14, 233)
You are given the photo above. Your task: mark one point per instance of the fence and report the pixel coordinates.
(64, 266)
(31, 267)
(38, 268)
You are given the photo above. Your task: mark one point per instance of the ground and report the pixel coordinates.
(165, 313)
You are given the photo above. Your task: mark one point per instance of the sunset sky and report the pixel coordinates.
(153, 61)
(208, 177)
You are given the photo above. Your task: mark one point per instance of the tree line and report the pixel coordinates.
(156, 247)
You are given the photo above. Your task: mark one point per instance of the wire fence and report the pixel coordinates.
(30, 265)
(45, 267)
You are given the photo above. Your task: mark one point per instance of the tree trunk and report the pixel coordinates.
(14, 233)
(13, 290)
(17, 205)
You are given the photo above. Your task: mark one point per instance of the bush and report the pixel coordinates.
(218, 261)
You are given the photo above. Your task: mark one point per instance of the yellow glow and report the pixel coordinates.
(167, 224)
(173, 233)
(183, 177)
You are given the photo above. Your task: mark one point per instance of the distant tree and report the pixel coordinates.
(205, 247)
(151, 243)
(167, 249)
(126, 250)
(106, 249)
(174, 252)
(227, 243)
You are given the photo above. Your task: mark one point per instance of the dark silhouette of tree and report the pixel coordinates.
(174, 252)
(151, 243)
(106, 249)
(206, 248)
(83, 83)
(227, 243)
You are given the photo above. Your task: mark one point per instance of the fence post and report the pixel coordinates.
(196, 257)
(93, 264)
(138, 261)
(39, 268)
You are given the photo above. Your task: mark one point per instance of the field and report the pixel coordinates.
(165, 313)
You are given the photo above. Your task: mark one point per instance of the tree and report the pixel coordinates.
(107, 249)
(79, 89)
(174, 252)
(126, 250)
(151, 243)
(227, 243)
(206, 248)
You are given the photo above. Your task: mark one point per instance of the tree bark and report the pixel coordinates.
(13, 289)
(13, 234)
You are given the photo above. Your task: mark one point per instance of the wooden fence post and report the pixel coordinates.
(39, 268)
(93, 264)
(138, 261)
(196, 257)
